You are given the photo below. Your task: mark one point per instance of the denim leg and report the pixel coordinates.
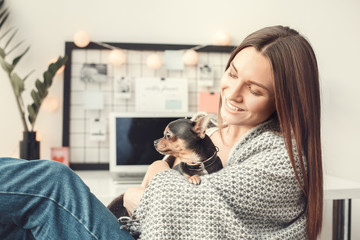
(48, 200)
(12, 232)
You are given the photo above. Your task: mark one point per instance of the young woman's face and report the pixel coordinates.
(247, 89)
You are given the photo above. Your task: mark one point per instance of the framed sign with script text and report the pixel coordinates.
(161, 95)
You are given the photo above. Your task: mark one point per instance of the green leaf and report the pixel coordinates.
(41, 88)
(39, 84)
(28, 75)
(17, 84)
(52, 69)
(3, 13)
(33, 110)
(48, 78)
(17, 59)
(36, 98)
(60, 62)
(45, 94)
(5, 65)
(11, 38)
(4, 19)
(16, 46)
(5, 33)
(2, 53)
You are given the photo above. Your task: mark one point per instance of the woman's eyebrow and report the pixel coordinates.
(233, 66)
(260, 85)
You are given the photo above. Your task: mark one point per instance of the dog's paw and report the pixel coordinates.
(195, 179)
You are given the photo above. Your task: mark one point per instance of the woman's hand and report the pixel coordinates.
(132, 198)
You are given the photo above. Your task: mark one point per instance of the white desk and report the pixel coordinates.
(102, 185)
(341, 191)
(337, 189)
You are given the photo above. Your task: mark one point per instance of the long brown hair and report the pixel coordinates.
(297, 99)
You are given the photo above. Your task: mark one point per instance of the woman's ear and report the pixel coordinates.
(201, 125)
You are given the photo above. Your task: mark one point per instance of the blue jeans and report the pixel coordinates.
(42, 199)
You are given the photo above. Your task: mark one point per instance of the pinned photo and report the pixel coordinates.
(122, 87)
(97, 130)
(206, 76)
(91, 72)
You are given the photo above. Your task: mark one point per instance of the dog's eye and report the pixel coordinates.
(168, 135)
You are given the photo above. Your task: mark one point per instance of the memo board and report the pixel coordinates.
(80, 116)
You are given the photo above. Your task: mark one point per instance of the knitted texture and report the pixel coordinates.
(256, 196)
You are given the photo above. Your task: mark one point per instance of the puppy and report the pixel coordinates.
(185, 141)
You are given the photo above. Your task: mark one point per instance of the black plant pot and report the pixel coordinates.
(29, 146)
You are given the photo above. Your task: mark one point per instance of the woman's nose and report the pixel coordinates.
(235, 92)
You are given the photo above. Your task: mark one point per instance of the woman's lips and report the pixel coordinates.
(232, 107)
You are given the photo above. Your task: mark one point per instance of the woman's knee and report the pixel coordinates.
(59, 181)
(55, 172)
(54, 168)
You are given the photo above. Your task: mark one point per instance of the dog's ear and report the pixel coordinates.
(200, 126)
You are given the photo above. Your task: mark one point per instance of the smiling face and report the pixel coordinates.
(247, 89)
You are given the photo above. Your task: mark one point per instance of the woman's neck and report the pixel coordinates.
(232, 133)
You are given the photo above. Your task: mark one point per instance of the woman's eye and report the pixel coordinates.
(254, 92)
(232, 75)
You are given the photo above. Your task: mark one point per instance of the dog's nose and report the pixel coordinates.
(156, 142)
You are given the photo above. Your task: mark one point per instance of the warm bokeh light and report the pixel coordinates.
(154, 61)
(222, 38)
(50, 104)
(190, 57)
(81, 39)
(38, 136)
(117, 57)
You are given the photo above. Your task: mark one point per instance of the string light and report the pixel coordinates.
(117, 57)
(154, 61)
(190, 57)
(50, 104)
(222, 38)
(81, 39)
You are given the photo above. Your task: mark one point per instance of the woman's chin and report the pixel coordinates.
(229, 117)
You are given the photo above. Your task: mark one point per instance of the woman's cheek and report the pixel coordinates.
(256, 105)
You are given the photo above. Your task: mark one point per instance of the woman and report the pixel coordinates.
(270, 103)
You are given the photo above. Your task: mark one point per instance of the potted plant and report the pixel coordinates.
(29, 147)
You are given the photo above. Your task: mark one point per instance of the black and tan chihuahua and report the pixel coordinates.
(184, 142)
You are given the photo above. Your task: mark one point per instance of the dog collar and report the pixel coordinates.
(205, 163)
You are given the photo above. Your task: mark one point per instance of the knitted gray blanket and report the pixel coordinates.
(256, 196)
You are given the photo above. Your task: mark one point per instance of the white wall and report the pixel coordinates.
(333, 28)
